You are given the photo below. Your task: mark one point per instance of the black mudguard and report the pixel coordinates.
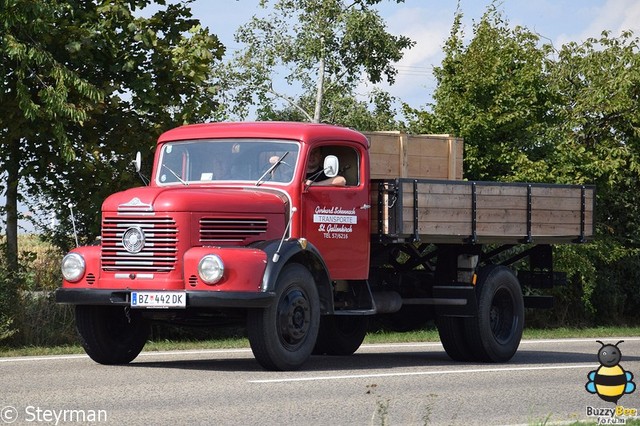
(304, 253)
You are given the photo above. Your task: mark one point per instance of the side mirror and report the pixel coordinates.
(138, 161)
(331, 166)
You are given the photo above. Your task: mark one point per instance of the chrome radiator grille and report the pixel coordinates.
(159, 252)
(216, 230)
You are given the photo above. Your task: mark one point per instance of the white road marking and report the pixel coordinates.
(421, 373)
(41, 358)
(582, 340)
(142, 354)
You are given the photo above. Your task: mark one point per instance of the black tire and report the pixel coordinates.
(109, 335)
(341, 335)
(495, 334)
(283, 335)
(453, 338)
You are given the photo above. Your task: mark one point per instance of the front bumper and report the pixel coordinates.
(195, 299)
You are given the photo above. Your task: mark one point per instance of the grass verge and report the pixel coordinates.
(429, 335)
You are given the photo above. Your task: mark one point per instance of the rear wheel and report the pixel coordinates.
(341, 335)
(453, 338)
(283, 335)
(111, 334)
(495, 334)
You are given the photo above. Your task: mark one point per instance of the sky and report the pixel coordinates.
(428, 23)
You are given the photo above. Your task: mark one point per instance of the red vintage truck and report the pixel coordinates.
(232, 224)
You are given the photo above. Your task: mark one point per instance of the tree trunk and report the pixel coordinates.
(13, 170)
(319, 90)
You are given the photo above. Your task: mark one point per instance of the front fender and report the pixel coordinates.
(243, 268)
(304, 253)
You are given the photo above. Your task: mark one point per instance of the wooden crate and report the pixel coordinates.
(482, 212)
(400, 155)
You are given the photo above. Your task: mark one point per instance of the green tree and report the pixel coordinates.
(376, 113)
(598, 127)
(493, 93)
(529, 112)
(598, 141)
(83, 86)
(322, 48)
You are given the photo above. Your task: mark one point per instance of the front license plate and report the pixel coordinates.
(158, 299)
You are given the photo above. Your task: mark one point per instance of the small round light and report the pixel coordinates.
(211, 269)
(73, 267)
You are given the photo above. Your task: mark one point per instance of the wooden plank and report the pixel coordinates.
(384, 142)
(404, 155)
(559, 191)
(551, 229)
(426, 145)
(495, 231)
(456, 201)
(384, 165)
(453, 163)
(435, 168)
(445, 187)
(438, 228)
(464, 215)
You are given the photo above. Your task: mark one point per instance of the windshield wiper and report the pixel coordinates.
(271, 169)
(182, 181)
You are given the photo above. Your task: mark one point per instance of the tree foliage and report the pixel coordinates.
(322, 48)
(376, 113)
(86, 84)
(598, 83)
(529, 112)
(493, 93)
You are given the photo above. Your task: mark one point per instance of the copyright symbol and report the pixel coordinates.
(9, 414)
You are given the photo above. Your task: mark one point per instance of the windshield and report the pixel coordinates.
(206, 161)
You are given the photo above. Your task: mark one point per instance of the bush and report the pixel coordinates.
(29, 315)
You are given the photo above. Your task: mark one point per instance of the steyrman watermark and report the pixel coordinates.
(36, 414)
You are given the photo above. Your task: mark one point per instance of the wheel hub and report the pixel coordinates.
(501, 316)
(294, 318)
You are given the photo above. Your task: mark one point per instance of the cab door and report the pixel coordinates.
(336, 218)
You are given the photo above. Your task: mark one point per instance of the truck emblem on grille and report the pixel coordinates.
(135, 204)
(133, 239)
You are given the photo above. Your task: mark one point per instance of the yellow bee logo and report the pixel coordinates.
(610, 381)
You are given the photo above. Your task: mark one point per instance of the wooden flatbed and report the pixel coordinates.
(455, 211)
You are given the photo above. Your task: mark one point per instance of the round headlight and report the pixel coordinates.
(211, 269)
(73, 267)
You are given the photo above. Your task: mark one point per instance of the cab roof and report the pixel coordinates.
(307, 132)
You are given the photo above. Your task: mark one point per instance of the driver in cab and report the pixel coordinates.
(315, 174)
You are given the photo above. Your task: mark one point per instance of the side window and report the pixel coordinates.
(349, 162)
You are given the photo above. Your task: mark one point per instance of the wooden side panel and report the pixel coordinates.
(497, 212)
(558, 210)
(399, 155)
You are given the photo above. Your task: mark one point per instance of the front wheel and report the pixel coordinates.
(111, 334)
(495, 334)
(283, 335)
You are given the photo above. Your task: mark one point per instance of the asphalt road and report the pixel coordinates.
(381, 384)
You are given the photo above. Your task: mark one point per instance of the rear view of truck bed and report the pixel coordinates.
(438, 211)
